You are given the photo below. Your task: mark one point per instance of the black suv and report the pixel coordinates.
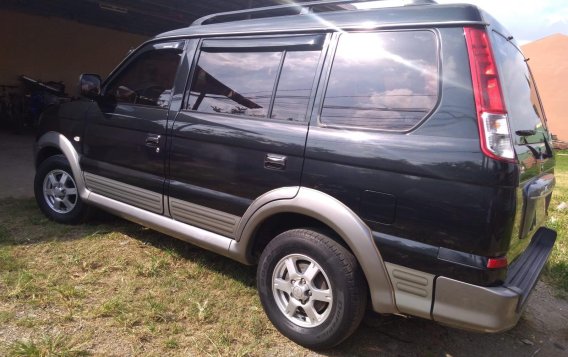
(397, 157)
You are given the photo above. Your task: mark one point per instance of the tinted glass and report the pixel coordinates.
(295, 85)
(385, 80)
(239, 83)
(523, 105)
(148, 80)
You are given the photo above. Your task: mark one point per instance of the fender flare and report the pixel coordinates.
(59, 141)
(337, 216)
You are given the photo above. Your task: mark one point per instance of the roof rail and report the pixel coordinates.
(294, 8)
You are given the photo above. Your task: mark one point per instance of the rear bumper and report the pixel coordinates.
(493, 309)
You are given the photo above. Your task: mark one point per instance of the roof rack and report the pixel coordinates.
(294, 8)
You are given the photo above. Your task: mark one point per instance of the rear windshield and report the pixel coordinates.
(523, 104)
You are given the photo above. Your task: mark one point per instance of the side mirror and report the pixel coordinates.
(90, 85)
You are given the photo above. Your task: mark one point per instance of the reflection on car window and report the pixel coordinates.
(148, 80)
(386, 80)
(243, 83)
(235, 83)
(295, 85)
(522, 100)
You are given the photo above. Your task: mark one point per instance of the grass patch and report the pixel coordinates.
(48, 346)
(149, 293)
(557, 267)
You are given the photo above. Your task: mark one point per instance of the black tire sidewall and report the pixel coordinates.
(339, 324)
(58, 162)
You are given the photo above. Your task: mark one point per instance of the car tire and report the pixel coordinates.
(312, 288)
(56, 191)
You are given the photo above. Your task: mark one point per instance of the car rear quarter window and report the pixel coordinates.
(384, 80)
(522, 100)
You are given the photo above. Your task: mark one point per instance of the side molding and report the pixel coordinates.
(136, 196)
(58, 141)
(343, 221)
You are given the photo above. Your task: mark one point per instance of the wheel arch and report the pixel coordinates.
(316, 206)
(53, 143)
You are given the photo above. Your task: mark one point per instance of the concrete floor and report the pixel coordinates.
(16, 165)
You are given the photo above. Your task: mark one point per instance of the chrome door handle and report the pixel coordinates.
(153, 141)
(275, 162)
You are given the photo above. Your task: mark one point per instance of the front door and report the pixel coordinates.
(124, 147)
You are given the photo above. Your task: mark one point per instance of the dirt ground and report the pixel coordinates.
(542, 330)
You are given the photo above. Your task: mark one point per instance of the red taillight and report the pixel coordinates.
(491, 113)
(497, 263)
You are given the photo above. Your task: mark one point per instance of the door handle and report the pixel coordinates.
(153, 141)
(275, 162)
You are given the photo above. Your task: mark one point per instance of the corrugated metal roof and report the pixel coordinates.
(146, 17)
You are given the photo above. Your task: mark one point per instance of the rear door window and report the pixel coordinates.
(523, 104)
(257, 77)
(385, 80)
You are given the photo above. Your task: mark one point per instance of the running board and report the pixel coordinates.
(194, 235)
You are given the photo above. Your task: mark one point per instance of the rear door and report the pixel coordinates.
(531, 139)
(243, 130)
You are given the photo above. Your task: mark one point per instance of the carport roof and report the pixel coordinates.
(145, 17)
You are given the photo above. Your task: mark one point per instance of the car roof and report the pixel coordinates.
(389, 17)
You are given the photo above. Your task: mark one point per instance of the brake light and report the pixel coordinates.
(497, 263)
(494, 132)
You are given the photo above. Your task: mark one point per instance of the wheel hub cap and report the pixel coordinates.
(302, 290)
(60, 191)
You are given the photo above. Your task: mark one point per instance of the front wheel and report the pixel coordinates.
(56, 191)
(311, 288)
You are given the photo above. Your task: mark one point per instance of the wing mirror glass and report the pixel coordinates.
(90, 85)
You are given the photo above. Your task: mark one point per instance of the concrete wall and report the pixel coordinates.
(549, 64)
(47, 49)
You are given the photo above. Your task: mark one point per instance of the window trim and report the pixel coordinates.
(134, 55)
(329, 67)
(323, 51)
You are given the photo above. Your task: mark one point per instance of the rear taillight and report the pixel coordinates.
(494, 130)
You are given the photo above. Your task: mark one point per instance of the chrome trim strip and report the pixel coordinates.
(139, 197)
(204, 217)
(58, 141)
(194, 235)
(342, 220)
(413, 290)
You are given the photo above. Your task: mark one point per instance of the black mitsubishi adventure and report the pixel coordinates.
(395, 158)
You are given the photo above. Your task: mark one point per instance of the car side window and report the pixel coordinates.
(148, 80)
(385, 80)
(234, 83)
(263, 82)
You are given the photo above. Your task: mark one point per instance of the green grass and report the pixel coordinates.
(557, 268)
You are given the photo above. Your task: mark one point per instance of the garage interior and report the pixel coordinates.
(52, 42)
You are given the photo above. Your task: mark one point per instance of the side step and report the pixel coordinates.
(525, 271)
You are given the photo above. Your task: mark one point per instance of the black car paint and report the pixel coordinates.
(446, 207)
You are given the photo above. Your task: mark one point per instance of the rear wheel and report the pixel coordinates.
(56, 191)
(311, 288)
